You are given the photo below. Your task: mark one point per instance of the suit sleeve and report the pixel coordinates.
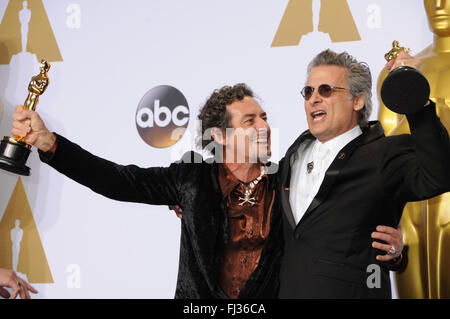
(399, 266)
(154, 185)
(417, 166)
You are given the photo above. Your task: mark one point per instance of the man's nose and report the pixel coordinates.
(315, 97)
(262, 124)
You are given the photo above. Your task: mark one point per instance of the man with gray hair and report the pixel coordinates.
(343, 177)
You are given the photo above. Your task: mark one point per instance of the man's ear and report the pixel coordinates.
(218, 136)
(359, 101)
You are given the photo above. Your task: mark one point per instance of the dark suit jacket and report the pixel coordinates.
(328, 252)
(204, 226)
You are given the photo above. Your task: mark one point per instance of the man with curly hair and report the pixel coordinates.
(229, 211)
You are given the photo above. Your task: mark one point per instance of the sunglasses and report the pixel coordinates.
(324, 90)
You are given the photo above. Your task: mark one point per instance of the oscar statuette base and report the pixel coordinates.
(14, 155)
(405, 90)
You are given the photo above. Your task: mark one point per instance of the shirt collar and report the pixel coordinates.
(228, 182)
(337, 143)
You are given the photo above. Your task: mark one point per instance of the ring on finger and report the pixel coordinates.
(392, 250)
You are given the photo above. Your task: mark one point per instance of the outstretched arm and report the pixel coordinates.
(154, 185)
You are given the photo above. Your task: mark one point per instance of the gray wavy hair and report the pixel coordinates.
(359, 78)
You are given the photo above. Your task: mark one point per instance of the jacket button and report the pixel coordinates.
(297, 236)
(244, 260)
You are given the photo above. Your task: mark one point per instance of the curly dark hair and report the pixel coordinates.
(214, 112)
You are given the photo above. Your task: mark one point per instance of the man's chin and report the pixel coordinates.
(264, 160)
(264, 157)
(315, 132)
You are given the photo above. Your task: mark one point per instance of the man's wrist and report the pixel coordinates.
(48, 144)
(46, 156)
(397, 260)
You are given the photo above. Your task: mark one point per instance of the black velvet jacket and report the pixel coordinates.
(205, 229)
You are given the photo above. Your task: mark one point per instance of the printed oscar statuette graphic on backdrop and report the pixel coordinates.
(14, 151)
(25, 27)
(26, 37)
(20, 244)
(404, 90)
(331, 19)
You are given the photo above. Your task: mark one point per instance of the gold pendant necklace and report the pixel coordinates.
(249, 189)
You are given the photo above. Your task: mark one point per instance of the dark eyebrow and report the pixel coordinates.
(252, 115)
(248, 115)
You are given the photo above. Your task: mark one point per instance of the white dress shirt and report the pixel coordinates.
(304, 186)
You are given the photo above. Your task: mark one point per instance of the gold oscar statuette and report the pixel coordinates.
(395, 51)
(404, 90)
(426, 224)
(14, 151)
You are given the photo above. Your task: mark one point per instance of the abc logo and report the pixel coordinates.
(162, 116)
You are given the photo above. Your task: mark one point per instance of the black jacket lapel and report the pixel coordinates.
(222, 232)
(285, 179)
(373, 131)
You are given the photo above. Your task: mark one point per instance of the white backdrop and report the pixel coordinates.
(115, 51)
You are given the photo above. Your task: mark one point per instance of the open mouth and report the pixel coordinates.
(260, 140)
(318, 115)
